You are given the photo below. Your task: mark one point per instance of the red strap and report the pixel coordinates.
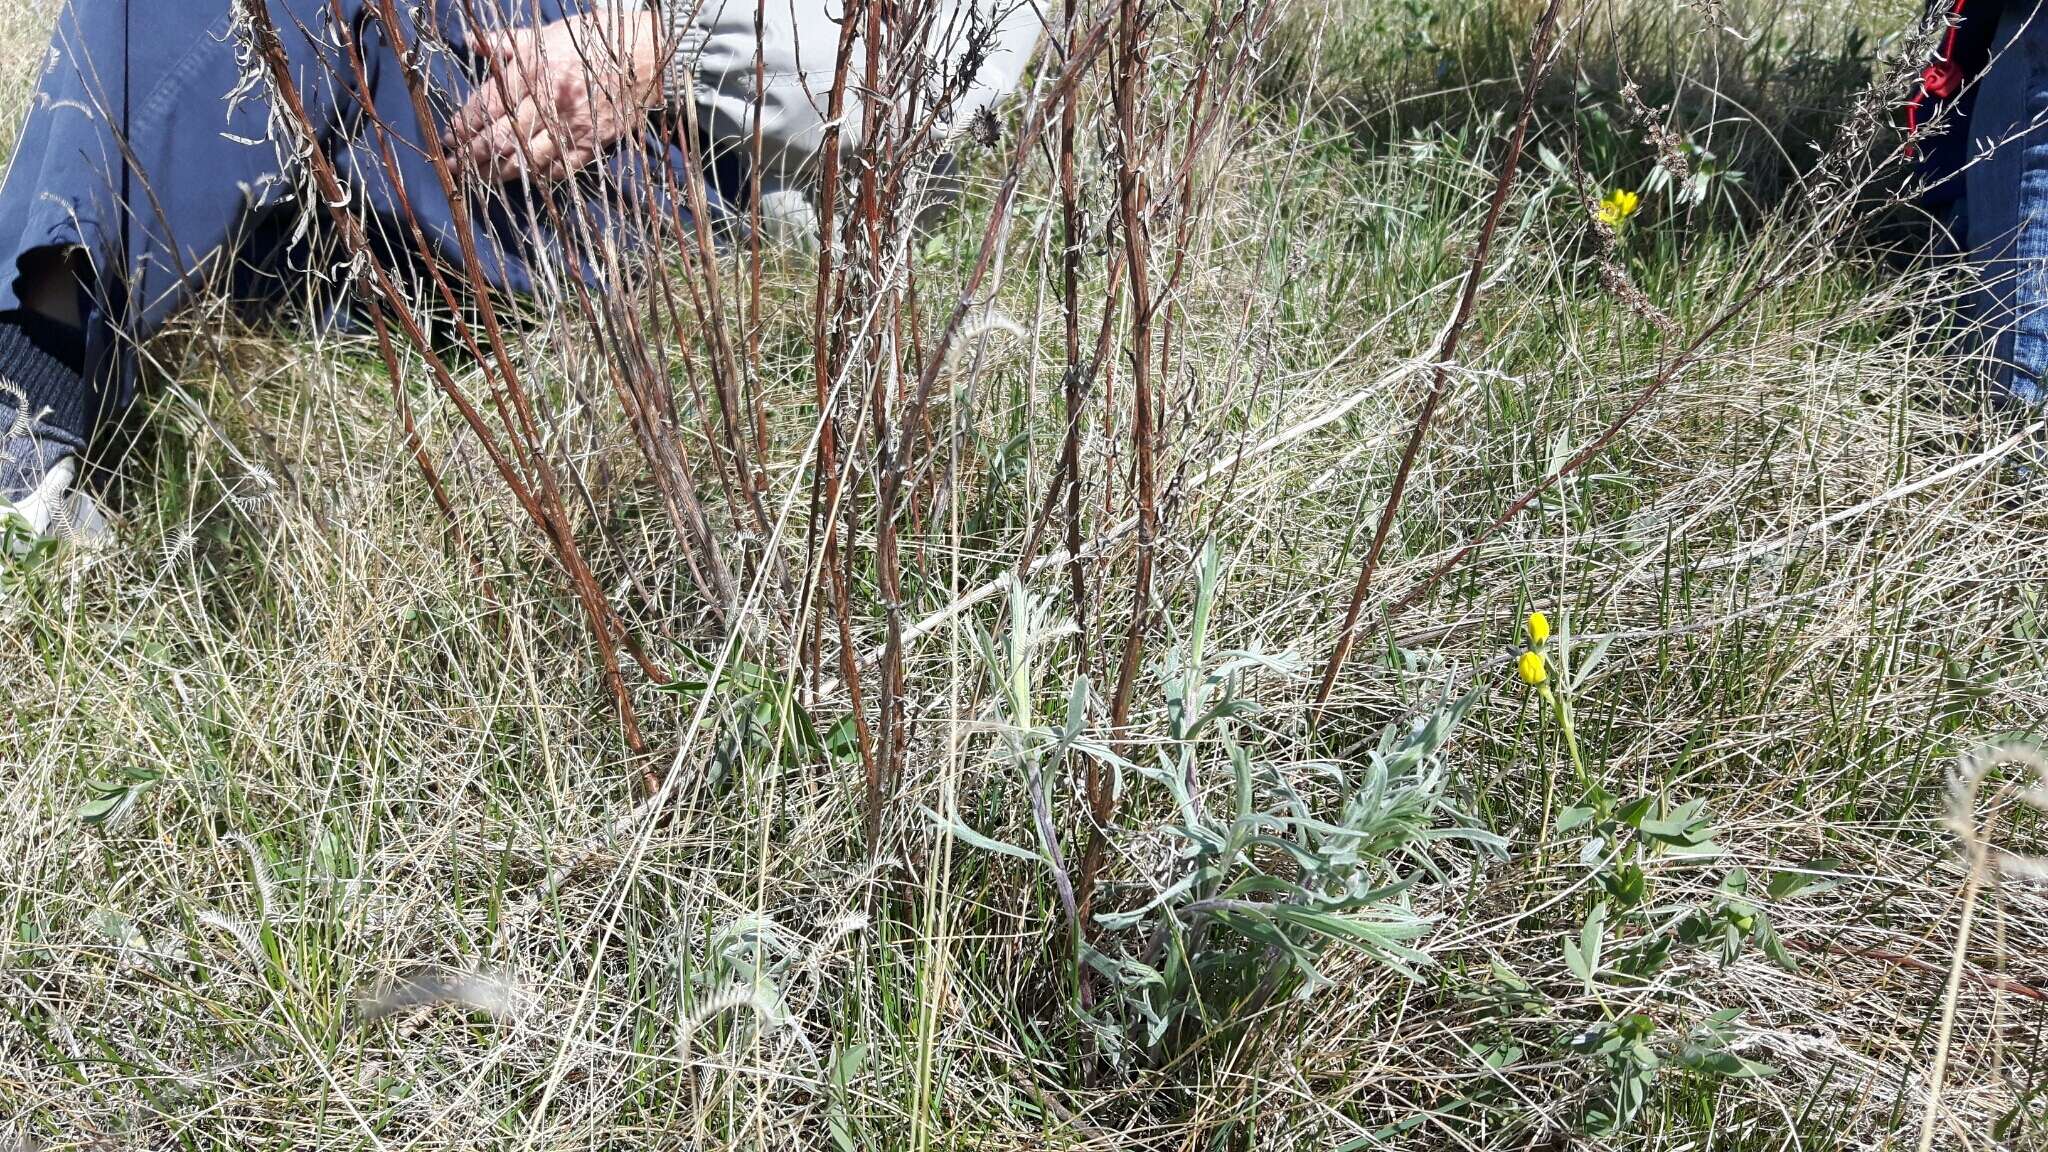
(1942, 78)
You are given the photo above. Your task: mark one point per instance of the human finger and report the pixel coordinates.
(578, 128)
(510, 71)
(505, 44)
(510, 141)
(485, 106)
(544, 156)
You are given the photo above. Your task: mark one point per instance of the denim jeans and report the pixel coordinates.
(2004, 207)
(152, 149)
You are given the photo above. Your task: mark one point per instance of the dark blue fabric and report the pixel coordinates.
(1965, 50)
(151, 145)
(2003, 216)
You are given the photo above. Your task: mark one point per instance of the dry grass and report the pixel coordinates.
(349, 767)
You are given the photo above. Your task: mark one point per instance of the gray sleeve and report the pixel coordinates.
(712, 65)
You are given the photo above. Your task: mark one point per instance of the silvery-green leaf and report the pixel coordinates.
(960, 831)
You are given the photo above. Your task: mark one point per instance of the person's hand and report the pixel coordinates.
(552, 98)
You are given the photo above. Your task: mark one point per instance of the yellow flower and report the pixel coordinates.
(1531, 668)
(1539, 627)
(1617, 206)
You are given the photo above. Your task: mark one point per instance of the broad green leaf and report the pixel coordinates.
(1803, 881)
(98, 811)
(1773, 946)
(1584, 957)
(1077, 713)
(1575, 962)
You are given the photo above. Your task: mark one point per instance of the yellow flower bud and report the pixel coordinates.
(1539, 627)
(1532, 669)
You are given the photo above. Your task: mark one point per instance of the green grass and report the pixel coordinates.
(336, 759)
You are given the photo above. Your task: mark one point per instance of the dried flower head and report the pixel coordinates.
(984, 129)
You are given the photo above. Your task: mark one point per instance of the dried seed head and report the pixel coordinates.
(984, 129)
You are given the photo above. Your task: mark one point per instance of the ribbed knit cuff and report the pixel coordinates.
(40, 395)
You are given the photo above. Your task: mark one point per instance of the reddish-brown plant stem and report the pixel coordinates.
(1074, 388)
(1446, 354)
(1685, 359)
(525, 435)
(659, 446)
(756, 144)
(826, 511)
(1105, 332)
(1130, 90)
(891, 455)
(546, 511)
(417, 444)
(898, 414)
(888, 584)
(726, 376)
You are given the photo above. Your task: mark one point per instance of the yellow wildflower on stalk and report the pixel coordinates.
(1617, 206)
(1533, 666)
